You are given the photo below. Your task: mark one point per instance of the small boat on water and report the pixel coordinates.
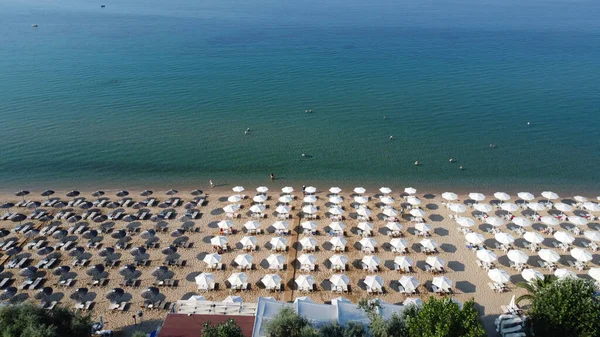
(34, 25)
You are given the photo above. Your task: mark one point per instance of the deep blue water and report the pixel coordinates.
(149, 93)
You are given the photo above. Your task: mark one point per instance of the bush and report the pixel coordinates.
(288, 323)
(444, 317)
(28, 320)
(566, 307)
(227, 329)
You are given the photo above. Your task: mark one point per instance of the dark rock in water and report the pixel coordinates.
(102, 6)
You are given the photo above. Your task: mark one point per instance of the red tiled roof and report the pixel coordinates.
(182, 325)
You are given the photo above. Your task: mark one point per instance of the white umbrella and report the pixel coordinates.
(336, 199)
(465, 222)
(417, 212)
(363, 211)
(305, 281)
(359, 190)
(422, 227)
(278, 242)
(225, 224)
(413, 200)
(522, 222)
(248, 241)
(579, 198)
(197, 298)
(287, 189)
(311, 199)
(449, 196)
(335, 190)
(307, 259)
(525, 196)
(536, 206)
(442, 282)
(533, 237)
(336, 210)
(403, 262)
(231, 208)
(361, 200)
(413, 301)
(308, 242)
(501, 196)
(486, 255)
(309, 209)
(409, 283)
(504, 238)
(338, 260)
(476, 196)
(494, 221)
(435, 262)
(457, 208)
(509, 207)
(365, 226)
(243, 260)
(337, 241)
(237, 279)
(281, 225)
(286, 199)
(564, 237)
(390, 212)
(310, 225)
(310, 189)
(483, 208)
(387, 200)
(262, 189)
(592, 207)
(410, 190)
(474, 238)
(385, 190)
(562, 273)
(234, 198)
(374, 281)
(257, 208)
(592, 235)
(282, 209)
(549, 220)
(531, 274)
(548, 255)
(271, 280)
(399, 243)
(563, 207)
(394, 226)
(577, 220)
(212, 259)
(368, 243)
(204, 280)
(371, 261)
(549, 195)
(218, 241)
(517, 256)
(276, 261)
(238, 189)
(337, 226)
(339, 280)
(580, 254)
(594, 273)
(252, 225)
(428, 243)
(498, 275)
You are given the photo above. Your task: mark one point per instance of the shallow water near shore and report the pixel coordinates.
(159, 94)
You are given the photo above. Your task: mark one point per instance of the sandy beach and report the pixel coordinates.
(469, 280)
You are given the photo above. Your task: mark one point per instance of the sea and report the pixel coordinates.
(162, 93)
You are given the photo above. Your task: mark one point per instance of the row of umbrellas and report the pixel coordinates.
(333, 190)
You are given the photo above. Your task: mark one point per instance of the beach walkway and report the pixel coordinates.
(290, 274)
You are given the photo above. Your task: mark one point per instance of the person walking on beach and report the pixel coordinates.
(211, 183)
(304, 190)
(272, 177)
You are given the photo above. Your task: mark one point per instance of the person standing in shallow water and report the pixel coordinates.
(211, 183)
(272, 177)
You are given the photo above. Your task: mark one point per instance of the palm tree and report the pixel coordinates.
(533, 287)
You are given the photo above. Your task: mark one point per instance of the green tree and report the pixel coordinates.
(394, 327)
(445, 318)
(288, 323)
(333, 329)
(533, 287)
(228, 328)
(566, 307)
(28, 320)
(355, 329)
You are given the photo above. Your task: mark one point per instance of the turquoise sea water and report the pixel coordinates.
(149, 93)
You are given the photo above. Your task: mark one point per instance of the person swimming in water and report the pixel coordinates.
(272, 176)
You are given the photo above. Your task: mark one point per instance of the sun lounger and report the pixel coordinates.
(4, 282)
